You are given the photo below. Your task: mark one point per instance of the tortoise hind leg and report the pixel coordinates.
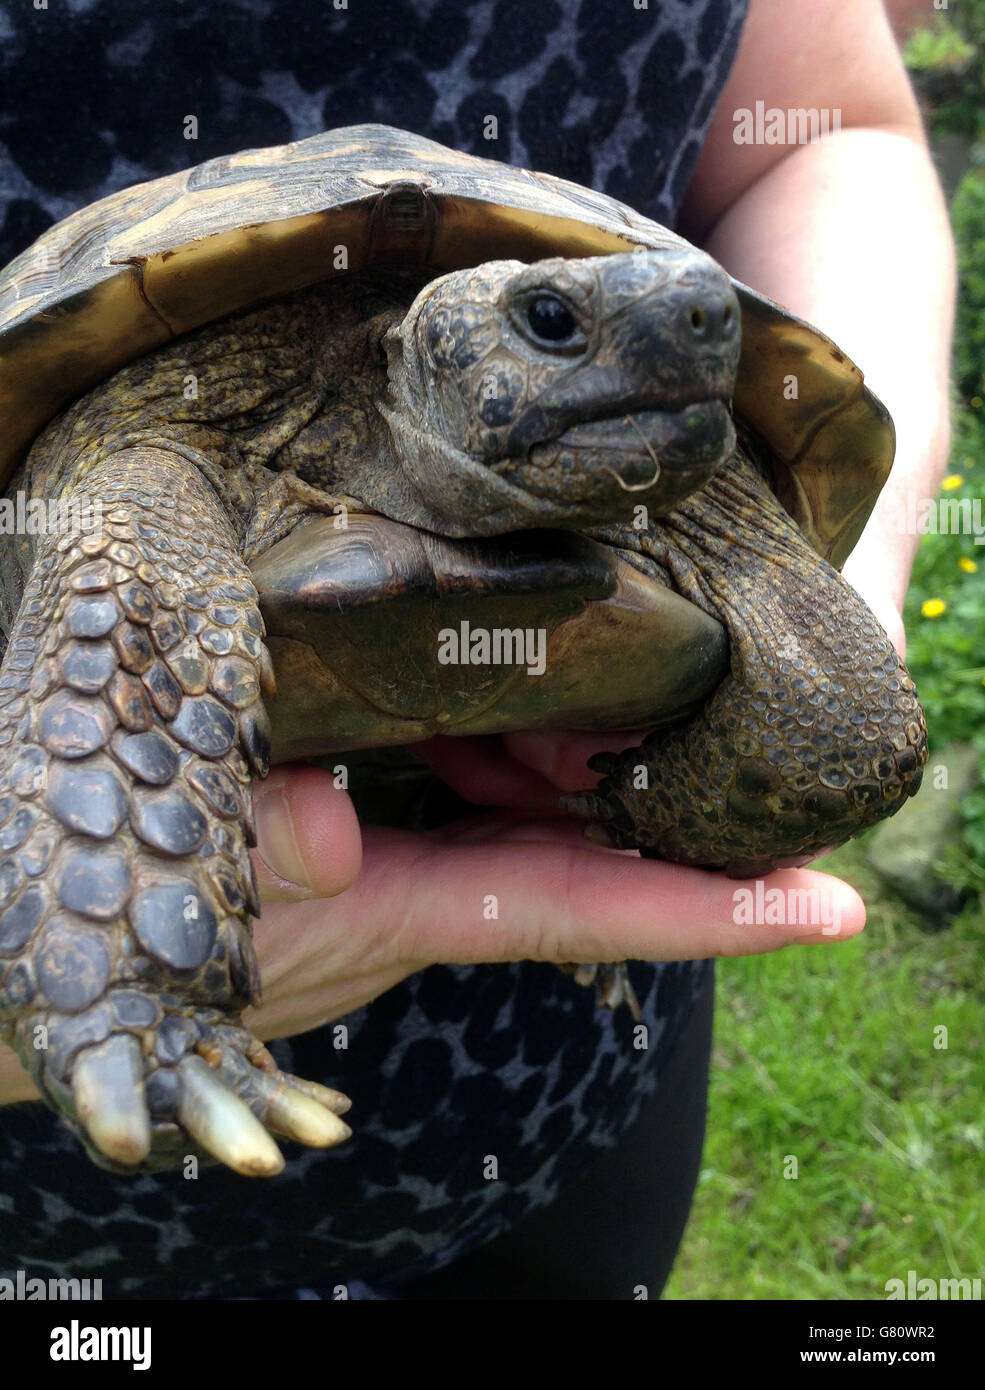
(612, 985)
(131, 728)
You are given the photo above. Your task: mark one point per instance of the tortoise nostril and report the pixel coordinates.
(711, 319)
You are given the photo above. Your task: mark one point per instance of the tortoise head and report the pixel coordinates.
(566, 392)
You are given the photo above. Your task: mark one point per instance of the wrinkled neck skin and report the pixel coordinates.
(430, 484)
(303, 384)
(373, 430)
(290, 385)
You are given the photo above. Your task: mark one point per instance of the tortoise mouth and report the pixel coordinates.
(662, 455)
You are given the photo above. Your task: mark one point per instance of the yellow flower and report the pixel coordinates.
(967, 565)
(976, 402)
(969, 462)
(952, 481)
(933, 607)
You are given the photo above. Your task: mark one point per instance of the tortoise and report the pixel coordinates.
(474, 449)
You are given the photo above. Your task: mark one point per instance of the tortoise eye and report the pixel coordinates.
(551, 319)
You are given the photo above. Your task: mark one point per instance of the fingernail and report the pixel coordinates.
(833, 932)
(277, 842)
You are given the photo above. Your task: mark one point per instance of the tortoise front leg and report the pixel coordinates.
(131, 727)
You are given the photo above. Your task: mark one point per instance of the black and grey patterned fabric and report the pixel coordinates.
(94, 94)
(479, 1092)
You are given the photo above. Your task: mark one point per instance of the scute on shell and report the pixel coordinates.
(125, 275)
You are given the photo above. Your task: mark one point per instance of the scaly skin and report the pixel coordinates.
(815, 735)
(131, 729)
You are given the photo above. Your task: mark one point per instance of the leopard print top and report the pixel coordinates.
(457, 1065)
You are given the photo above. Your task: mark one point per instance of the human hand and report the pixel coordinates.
(349, 913)
(338, 928)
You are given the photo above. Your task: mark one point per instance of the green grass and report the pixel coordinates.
(827, 1054)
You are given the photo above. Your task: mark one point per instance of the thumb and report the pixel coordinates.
(308, 839)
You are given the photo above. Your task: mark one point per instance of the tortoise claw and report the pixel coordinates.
(612, 985)
(297, 1116)
(300, 1110)
(222, 1123)
(335, 1101)
(108, 1090)
(144, 1101)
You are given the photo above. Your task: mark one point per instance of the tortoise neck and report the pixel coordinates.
(290, 385)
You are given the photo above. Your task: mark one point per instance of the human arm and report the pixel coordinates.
(851, 233)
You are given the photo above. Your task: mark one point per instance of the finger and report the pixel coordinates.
(522, 769)
(480, 770)
(504, 827)
(559, 902)
(561, 756)
(308, 840)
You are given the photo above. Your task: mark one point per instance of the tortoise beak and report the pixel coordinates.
(663, 456)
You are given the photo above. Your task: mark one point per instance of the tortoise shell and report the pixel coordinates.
(145, 265)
